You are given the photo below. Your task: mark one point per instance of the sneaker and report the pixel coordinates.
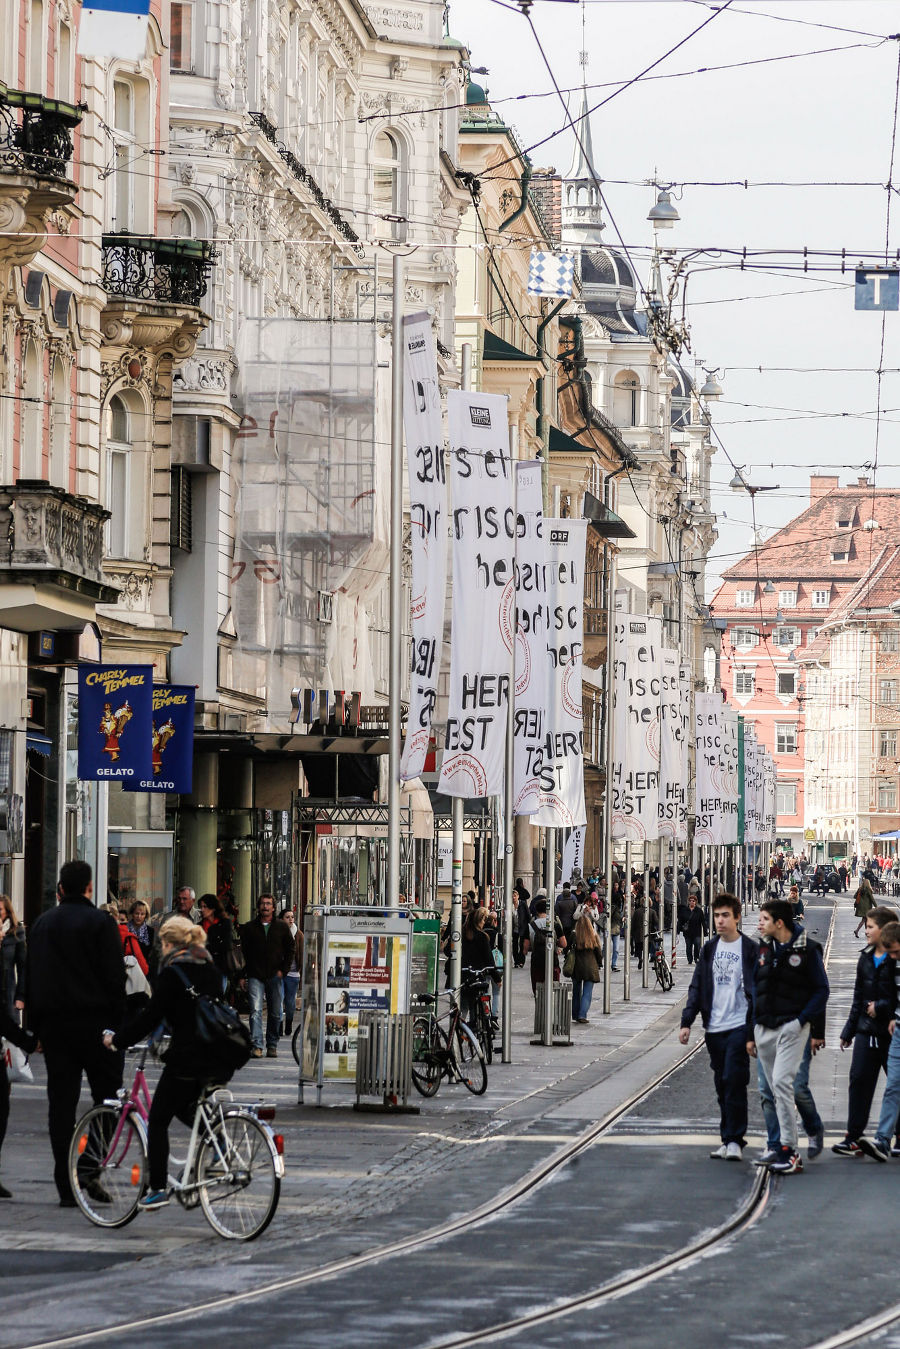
(816, 1144)
(154, 1199)
(846, 1148)
(272, 1053)
(68, 1201)
(93, 1188)
(788, 1163)
(4, 1192)
(872, 1148)
(256, 1053)
(895, 1150)
(766, 1158)
(719, 1154)
(733, 1152)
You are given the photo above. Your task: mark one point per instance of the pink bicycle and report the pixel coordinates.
(233, 1168)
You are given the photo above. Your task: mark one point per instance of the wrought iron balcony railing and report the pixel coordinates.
(301, 172)
(36, 133)
(166, 271)
(44, 529)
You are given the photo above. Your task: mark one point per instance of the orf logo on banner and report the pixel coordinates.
(171, 742)
(115, 711)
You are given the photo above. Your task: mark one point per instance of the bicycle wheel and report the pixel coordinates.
(469, 1058)
(668, 980)
(108, 1165)
(238, 1179)
(427, 1070)
(295, 1044)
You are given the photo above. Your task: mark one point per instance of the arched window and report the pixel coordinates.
(119, 451)
(194, 221)
(388, 194)
(627, 399)
(31, 453)
(60, 425)
(65, 71)
(129, 201)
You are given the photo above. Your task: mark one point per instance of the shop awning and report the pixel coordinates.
(41, 744)
(495, 349)
(890, 833)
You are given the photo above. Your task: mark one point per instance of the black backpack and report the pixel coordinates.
(218, 1028)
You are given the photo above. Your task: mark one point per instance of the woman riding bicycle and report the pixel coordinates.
(188, 1068)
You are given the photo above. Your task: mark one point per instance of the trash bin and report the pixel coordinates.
(384, 1059)
(561, 1011)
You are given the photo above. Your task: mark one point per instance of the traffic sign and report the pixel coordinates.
(878, 288)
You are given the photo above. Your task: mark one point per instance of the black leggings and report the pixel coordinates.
(4, 1099)
(174, 1097)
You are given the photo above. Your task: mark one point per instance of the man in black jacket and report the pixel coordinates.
(76, 991)
(722, 992)
(790, 992)
(268, 949)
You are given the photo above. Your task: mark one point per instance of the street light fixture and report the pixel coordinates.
(740, 484)
(664, 215)
(711, 389)
(768, 588)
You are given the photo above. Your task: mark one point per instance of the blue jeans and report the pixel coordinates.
(615, 944)
(582, 992)
(270, 990)
(803, 1099)
(730, 1063)
(290, 985)
(890, 1100)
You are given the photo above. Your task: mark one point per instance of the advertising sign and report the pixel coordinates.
(635, 794)
(483, 543)
(532, 664)
(673, 744)
(709, 717)
(115, 714)
(364, 971)
(428, 533)
(171, 741)
(562, 780)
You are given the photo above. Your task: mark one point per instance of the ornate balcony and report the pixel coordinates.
(155, 287)
(51, 551)
(35, 149)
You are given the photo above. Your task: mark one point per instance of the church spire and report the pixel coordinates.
(582, 216)
(583, 159)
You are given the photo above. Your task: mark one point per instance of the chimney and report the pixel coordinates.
(820, 486)
(863, 482)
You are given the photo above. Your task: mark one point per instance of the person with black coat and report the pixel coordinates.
(185, 964)
(75, 981)
(12, 960)
(866, 1028)
(721, 992)
(219, 935)
(694, 928)
(268, 949)
(27, 1042)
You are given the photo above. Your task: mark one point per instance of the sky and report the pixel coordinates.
(812, 119)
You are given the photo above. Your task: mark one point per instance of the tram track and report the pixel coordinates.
(483, 1213)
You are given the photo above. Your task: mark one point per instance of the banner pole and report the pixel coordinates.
(396, 587)
(457, 806)
(645, 954)
(550, 943)
(610, 765)
(626, 914)
(508, 818)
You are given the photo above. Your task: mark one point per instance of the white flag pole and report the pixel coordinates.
(392, 899)
(457, 803)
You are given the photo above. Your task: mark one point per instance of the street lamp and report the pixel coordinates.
(664, 215)
(711, 389)
(740, 484)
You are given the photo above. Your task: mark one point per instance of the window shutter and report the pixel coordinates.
(180, 515)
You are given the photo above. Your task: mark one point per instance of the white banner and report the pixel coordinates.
(573, 854)
(769, 814)
(635, 794)
(483, 594)
(428, 533)
(562, 780)
(752, 787)
(709, 721)
(532, 665)
(673, 743)
(728, 828)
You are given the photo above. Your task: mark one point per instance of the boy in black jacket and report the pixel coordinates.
(722, 992)
(866, 1028)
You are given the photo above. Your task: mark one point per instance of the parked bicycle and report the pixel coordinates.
(476, 988)
(233, 1167)
(450, 1051)
(659, 964)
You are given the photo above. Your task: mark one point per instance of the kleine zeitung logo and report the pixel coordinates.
(480, 416)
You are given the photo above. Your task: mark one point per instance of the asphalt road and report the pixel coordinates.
(821, 1256)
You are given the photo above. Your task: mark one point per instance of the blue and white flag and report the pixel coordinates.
(114, 29)
(551, 273)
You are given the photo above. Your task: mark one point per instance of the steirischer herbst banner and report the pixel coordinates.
(532, 665)
(171, 742)
(635, 794)
(484, 597)
(428, 533)
(673, 743)
(562, 780)
(115, 712)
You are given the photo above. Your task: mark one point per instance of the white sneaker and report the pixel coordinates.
(733, 1152)
(720, 1153)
